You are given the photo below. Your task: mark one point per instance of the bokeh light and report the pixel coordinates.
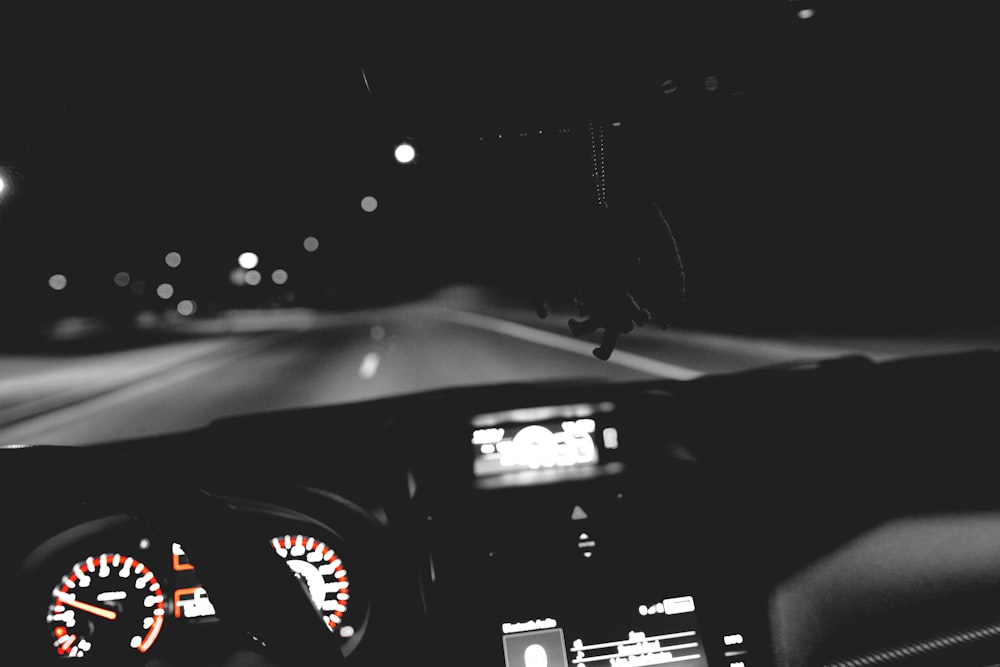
(279, 276)
(248, 260)
(186, 307)
(165, 290)
(122, 278)
(58, 282)
(173, 259)
(404, 153)
(369, 204)
(311, 244)
(252, 278)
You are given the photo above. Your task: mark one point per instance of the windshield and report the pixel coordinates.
(224, 213)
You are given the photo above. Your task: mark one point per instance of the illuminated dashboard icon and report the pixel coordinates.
(110, 601)
(192, 603)
(322, 572)
(190, 598)
(535, 656)
(537, 648)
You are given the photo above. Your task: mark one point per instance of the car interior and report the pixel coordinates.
(839, 512)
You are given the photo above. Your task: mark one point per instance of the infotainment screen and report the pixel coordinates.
(548, 438)
(659, 632)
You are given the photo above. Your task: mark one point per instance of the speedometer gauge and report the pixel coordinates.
(322, 572)
(106, 603)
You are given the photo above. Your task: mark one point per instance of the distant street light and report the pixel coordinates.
(248, 260)
(405, 153)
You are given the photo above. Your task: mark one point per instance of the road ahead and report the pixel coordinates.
(250, 362)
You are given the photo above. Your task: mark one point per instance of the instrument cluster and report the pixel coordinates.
(115, 590)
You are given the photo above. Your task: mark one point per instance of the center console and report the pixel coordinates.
(574, 554)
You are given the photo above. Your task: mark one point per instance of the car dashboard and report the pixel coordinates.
(822, 514)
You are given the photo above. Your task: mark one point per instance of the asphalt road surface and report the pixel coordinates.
(260, 361)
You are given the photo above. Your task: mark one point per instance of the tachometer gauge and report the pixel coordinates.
(108, 603)
(322, 572)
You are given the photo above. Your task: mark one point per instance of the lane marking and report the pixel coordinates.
(539, 337)
(369, 366)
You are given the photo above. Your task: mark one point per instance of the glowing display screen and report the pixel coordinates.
(658, 632)
(543, 438)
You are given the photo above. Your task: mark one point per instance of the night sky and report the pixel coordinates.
(850, 184)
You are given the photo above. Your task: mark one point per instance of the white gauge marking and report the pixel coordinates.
(68, 618)
(333, 605)
(111, 595)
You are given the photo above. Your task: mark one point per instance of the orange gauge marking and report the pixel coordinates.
(154, 632)
(179, 566)
(66, 644)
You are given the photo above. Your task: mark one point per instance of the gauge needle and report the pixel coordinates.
(89, 608)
